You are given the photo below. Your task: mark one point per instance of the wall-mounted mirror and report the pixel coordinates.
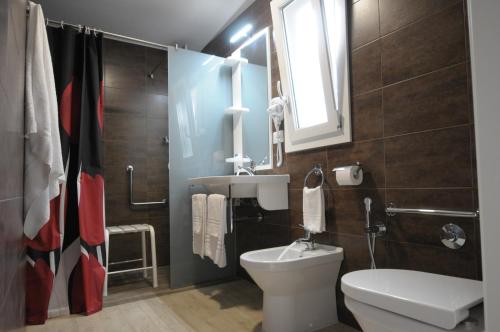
(255, 95)
(311, 42)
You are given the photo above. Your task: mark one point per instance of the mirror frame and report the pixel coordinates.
(236, 53)
(344, 134)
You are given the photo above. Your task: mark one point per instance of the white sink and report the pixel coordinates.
(271, 191)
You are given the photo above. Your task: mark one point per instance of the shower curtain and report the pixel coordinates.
(69, 251)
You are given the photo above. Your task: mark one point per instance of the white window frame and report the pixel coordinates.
(334, 62)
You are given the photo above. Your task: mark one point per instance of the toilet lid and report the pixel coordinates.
(431, 298)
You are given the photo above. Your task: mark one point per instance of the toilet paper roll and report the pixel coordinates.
(349, 176)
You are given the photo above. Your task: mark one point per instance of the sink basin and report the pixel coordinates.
(271, 191)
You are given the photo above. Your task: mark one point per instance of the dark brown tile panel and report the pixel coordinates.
(157, 106)
(301, 163)
(370, 154)
(345, 212)
(429, 159)
(426, 229)
(458, 263)
(125, 101)
(124, 127)
(428, 45)
(367, 116)
(156, 63)
(365, 22)
(366, 68)
(436, 100)
(395, 14)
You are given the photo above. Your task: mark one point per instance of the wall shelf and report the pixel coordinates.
(236, 110)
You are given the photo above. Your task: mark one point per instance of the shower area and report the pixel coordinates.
(164, 118)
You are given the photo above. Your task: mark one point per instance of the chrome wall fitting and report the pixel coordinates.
(453, 236)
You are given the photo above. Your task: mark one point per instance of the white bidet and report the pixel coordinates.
(299, 289)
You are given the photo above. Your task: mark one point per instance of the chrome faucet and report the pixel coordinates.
(250, 170)
(307, 239)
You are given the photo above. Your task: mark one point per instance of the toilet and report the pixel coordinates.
(299, 290)
(387, 300)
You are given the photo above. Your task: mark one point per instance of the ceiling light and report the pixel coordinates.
(241, 34)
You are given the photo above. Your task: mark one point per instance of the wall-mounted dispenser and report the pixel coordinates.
(349, 175)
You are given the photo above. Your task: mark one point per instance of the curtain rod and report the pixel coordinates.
(110, 35)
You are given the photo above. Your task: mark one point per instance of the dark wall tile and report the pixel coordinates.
(457, 263)
(425, 46)
(436, 100)
(135, 124)
(429, 159)
(366, 68)
(365, 22)
(124, 127)
(156, 63)
(367, 116)
(157, 106)
(395, 14)
(345, 212)
(301, 163)
(426, 229)
(124, 65)
(371, 156)
(124, 101)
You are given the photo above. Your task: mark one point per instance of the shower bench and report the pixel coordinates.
(127, 229)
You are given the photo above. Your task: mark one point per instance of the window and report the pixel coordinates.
(312, 52)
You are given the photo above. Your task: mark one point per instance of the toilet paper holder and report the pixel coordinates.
(356, 172)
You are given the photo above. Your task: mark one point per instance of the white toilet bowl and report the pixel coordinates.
(411, 301)
(299, 290)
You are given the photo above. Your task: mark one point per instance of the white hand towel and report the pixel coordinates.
(199, 216)
(216, 229)
(43, 164)
(314, 209)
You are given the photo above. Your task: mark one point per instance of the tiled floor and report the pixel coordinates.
(231, 306)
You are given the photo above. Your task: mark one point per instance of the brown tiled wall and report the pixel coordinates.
(413, 132)
(136, 120)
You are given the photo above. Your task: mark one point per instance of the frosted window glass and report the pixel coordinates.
(303, 31)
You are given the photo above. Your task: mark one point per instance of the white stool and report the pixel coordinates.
(126, 229)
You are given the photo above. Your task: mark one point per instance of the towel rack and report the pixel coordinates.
(316, 170)
(391, 210)
(132, 204)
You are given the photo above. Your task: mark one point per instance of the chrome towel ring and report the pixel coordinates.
(316, 170)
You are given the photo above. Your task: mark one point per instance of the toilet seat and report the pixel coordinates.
(437, 300)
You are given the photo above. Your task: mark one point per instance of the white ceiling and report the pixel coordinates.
(191, 22)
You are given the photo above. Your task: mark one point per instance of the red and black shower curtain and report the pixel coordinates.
(67, 258)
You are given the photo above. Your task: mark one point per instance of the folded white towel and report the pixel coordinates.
(199, 217)
(216, 229)
(314, 209)
(43, 164)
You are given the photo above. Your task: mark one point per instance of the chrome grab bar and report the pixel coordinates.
(130, 171)
(391, 210)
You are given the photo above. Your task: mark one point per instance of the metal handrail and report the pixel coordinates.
(130, 171)
(392, 211)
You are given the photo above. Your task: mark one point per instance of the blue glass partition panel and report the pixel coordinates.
(200, 140)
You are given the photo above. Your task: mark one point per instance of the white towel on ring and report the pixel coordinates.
(313, 207)
(216, 229)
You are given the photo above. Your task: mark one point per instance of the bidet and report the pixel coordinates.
(299, 290)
